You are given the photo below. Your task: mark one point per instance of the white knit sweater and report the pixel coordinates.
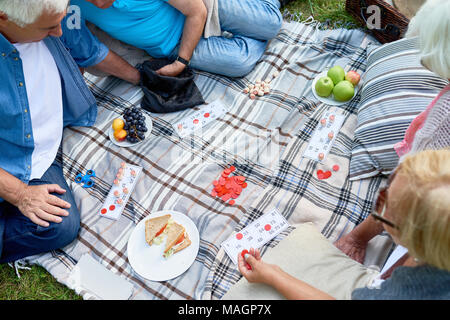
(435, 133)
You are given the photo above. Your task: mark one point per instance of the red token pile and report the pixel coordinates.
(229, 187)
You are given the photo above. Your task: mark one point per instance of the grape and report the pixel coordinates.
(134, 124)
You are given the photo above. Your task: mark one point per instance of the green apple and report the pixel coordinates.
(344, 91)
(337, 74)
(324, 86)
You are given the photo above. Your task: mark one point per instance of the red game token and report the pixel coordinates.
(335, 167)
(103, 211)
(112, 207)
(243, 253)
(227, 187)
(195, 121)
(267, 227)
(206, 115)
(239, 236)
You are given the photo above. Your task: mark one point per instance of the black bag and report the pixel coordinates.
(163, 94)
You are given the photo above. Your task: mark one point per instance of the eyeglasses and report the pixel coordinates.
(381, 203)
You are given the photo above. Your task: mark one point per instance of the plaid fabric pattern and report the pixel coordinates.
(263, 138)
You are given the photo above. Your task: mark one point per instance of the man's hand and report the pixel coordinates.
(171, 70)
(40, 206)
(353, 247)
(195, 13)
(102, 4)
(259, 271)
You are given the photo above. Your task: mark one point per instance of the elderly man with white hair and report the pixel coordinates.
(42, 91)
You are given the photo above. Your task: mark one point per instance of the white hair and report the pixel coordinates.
(432, 25)
(25, 12)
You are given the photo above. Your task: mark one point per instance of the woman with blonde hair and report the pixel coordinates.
(415, 210)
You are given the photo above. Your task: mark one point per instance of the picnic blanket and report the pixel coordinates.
(263, 138)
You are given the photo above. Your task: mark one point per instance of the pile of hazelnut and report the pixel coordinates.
(260, 88)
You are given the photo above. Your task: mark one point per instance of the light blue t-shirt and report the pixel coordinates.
(152, 25)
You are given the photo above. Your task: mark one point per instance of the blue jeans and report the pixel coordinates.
(252, 23)
(20, 237)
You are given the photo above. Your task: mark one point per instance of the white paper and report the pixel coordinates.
(92, 276)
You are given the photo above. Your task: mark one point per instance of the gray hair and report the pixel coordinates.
(25, 12)
(432, 25)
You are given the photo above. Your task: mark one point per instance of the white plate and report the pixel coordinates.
(125, 143)
(148, 261)
(330, 99)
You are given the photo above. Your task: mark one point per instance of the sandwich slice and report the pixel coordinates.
(155, 227)
(177, 240)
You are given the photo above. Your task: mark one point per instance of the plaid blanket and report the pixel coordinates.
(263, 138)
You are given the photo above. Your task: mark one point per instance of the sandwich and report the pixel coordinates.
(177, 240)
(155, 227)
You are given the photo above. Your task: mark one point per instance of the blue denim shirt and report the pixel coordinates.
(76, 47)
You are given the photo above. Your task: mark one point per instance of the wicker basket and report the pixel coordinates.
(393, 24)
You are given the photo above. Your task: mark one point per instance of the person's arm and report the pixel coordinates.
(290, 287)
(35, 202)
(87, 51)
(355, 242)
(115, 65)
(195, 12)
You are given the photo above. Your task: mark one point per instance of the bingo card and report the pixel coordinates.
(256, 234)
(123, 184)
(200, 118)
(324, 135)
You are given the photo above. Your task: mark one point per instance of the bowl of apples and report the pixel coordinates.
(132, 128)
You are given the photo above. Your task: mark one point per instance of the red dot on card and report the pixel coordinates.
(195, 121)
(267, 227)
(103, 211)
(112, 207)
(239, 236)
(335, 167)
(206, 115)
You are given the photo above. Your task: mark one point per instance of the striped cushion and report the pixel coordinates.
(396, 88)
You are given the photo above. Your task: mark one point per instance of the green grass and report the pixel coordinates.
(34, 284)
(38, 284)
(322, 10)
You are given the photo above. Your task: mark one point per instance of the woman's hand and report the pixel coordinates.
(255, 270)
